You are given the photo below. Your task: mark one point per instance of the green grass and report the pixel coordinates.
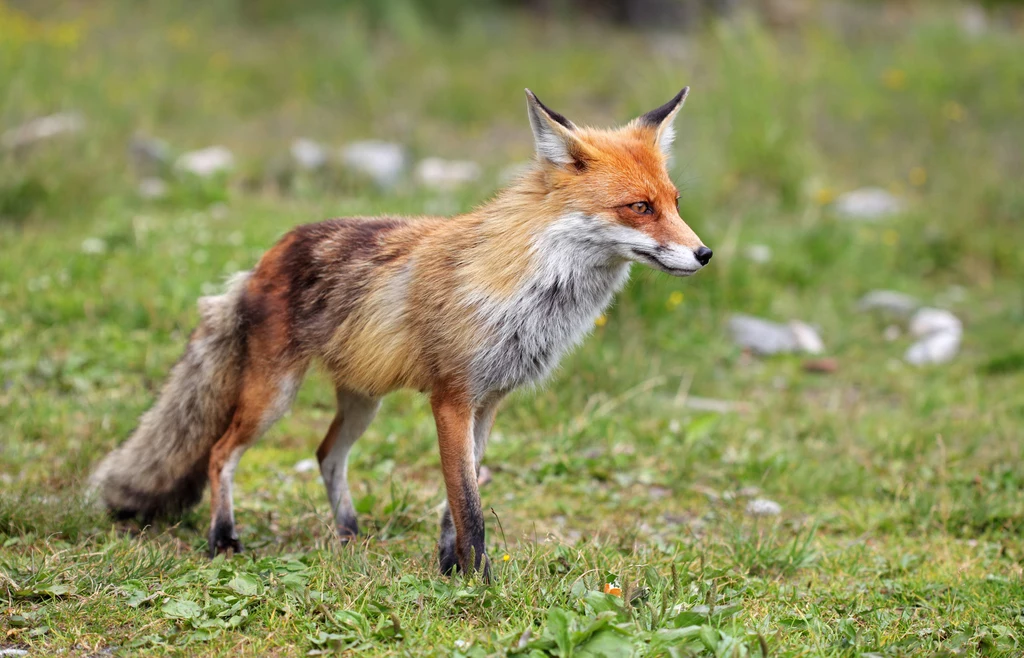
(902, 489)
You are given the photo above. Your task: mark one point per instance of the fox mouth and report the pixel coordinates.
(654, 260)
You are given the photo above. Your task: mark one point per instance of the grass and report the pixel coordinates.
(900, 488)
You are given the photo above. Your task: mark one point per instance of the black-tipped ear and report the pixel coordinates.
(552, 133)
(661, 120)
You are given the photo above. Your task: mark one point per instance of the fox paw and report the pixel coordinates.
(223, 539)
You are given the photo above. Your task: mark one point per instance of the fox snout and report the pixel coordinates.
(703, 255)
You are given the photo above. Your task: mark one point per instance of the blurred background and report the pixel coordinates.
(852, 361)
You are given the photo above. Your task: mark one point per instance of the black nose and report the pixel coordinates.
(703, 255)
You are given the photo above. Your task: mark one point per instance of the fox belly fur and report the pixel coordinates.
(465, 309)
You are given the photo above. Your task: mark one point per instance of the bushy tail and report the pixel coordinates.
(160, 470)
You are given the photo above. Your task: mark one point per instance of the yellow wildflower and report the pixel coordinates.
(220, 61)
(824, 196)
(954, 111)
(601, 321)
(674, 300)
(180, 35)
(506, 557)
(894, 79)
(66, 35)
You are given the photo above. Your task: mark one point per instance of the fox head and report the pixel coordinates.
(616, 184)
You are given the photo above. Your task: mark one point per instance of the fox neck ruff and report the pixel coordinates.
(573, 278)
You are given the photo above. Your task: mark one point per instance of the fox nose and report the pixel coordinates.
(703, 255)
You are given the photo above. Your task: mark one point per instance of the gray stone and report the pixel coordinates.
(928, 321)
(382, 162)
(973, 21)
(761, 336)
(868, 204)
(758, 253)
(765, 337)
(807, 338)
(441, 174)
(308, 154)
(935, 348)
(940, 333)
(763, 507)
(42, 128)
(150, 154)
(94, 246)
(206, 162)
(889, 301)
(152, 188)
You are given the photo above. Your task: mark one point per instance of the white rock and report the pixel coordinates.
(443, 174)
(763, 507)
(973, 21)
(43, 128)
(759, 253)
(934, 320)
(206, 162)
(889, 301)
(807, 338)
(868, 204)
(93, 246)
(152, 188)
(938, 347)
(766, 337)
(13, 652)
(306, 466)
(309, 154)
(383, 162)
(761, 336)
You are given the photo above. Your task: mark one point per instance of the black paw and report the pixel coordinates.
(348, 529)
(223, 539)
(446, 556)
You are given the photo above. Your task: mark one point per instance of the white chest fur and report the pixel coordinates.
(573, 281)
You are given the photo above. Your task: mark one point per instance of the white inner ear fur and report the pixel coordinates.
(552, 143)
(667, 135)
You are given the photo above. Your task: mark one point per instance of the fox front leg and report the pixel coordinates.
(463, 548)
(483, 421)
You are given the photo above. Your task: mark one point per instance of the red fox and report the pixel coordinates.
(464, 309)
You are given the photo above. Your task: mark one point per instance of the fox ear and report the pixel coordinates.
(660, 120)
(552, 133)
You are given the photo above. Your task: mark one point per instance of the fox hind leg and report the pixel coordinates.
(263, 399)
(355, 413)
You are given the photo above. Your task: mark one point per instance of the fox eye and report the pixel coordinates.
(641, 208)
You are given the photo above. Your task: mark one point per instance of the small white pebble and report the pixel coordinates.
(93, 246)
(306, 466)
(763, 507)
(758, 253)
